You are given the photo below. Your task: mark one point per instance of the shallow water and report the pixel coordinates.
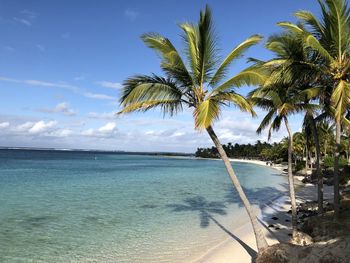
(99, 207)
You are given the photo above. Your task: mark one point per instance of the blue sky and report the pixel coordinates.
(62, 64)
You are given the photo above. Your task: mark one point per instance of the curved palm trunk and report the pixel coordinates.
(318, 166)
(259, 235)
(336, 170)
(290, 179)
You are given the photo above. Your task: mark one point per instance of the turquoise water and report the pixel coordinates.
(99, 207)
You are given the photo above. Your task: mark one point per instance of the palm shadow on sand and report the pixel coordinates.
(206, 210)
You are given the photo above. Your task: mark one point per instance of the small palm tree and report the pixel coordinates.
(329, 38)
(299, 145)
(280, 102)
(326, 131)
(199, 85)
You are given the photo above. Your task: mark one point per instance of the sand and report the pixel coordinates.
(278, 167)
(240, 246)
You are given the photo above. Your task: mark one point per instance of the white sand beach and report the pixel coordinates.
(240, 246)
(278, 167)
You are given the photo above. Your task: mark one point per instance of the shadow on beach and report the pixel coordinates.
(274, 218)
(206, 210)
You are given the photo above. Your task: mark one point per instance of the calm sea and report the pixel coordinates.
(60, 206)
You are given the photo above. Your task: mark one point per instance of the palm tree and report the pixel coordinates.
(329, 38)
(293, 63)
(345, 142)
(280, 101)
(310, 127)
(299, 145)
(199, 86)
(327, 135)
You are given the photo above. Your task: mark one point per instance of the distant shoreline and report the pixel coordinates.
(278, 167)
(179, 154)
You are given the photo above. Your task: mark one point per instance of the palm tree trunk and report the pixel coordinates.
(259, 235)
(318, 166)
(306, 158)
(336, 170)
(290, 179)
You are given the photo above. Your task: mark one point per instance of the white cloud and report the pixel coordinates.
(73, 88)
(60, 108)
(103, 115)
(41, 47)
(62, 133)
(24, 127)
(109, 127)
(9, 48)
(131, 14)
(30, 14)
(108, 84)
(106, 130)
(22, 21)
(33, 82)
(98, 96)
(4, 125)
(41, 126)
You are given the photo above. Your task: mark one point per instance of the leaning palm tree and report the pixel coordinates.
(199, 85)
(329, 38)
(280, 101)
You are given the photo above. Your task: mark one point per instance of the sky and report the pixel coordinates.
(62, 65)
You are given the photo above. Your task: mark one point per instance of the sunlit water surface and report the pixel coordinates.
(99, 207)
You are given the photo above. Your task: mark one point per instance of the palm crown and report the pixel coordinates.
(199, 83)
(329, 39)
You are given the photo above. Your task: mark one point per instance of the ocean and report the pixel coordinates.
(61, 206)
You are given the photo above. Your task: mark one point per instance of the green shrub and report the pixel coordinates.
(345, 175)
(329, 161)
(300, 166)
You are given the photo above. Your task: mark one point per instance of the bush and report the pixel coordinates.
(345, 175)
(300, 166)
(329, 161)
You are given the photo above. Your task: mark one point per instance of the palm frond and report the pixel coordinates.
(171, 63)
(341, 99)
(250, 76)
(191, 38)
(310, 20)
(167, 106)
(236, 100)
(275, 125)
(234, 54)
(205, 113)
(266, 121)
(144, 92)
(207, 49)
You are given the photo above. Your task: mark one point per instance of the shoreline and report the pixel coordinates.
(259, 162)
(278, 167)
(242, 247)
